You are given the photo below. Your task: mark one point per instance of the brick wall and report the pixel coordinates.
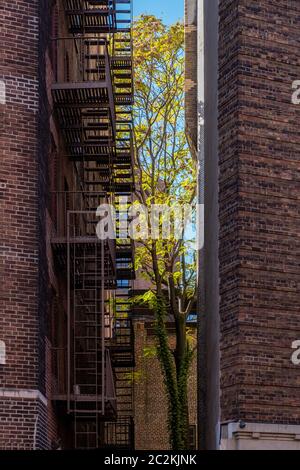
(259, 209)
(150, 403)
(19, 202)
(25, 420)
(191, 111)
(23, 425)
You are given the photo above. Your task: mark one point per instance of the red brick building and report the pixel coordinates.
(66, 95)
(250, 388)
(150, 401)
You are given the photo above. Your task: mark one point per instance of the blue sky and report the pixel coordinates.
(169, 10)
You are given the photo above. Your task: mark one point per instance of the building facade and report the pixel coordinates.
(251, 274)
(66, 336)
(150, 401)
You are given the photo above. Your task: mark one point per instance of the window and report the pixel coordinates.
(53, 158)
(67, 67)
(122, 283)
(54, 35)
(192, 318)
(2, 92)
(192, 437)
(2, 353)
(67, 196)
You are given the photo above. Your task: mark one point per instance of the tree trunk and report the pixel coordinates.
(169, 373)
(175, 375)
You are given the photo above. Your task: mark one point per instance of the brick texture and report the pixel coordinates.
(259, 209)
(24, 133)
(150, 404)
(19, 201)
(191, 107)
(23, 425)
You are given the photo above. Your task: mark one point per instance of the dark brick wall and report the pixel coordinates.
(19, 197)
(23, 425)
(259, 252)
(25, 31)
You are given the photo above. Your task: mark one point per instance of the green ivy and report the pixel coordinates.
(176, 386)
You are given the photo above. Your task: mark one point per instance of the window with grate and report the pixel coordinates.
(192, 437)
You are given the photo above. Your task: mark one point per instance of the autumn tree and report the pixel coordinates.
(166, 175)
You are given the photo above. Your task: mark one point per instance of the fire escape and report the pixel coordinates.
(92, 95)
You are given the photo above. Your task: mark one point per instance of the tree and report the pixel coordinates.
(166, 174)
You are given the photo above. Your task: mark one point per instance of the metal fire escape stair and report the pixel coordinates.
(103, 16)
(120, 434)
(93, 109)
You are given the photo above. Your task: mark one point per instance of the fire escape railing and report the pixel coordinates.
(98, 16)
(83, 81)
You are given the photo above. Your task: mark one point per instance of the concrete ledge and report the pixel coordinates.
(259, 436)
(23, 394)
